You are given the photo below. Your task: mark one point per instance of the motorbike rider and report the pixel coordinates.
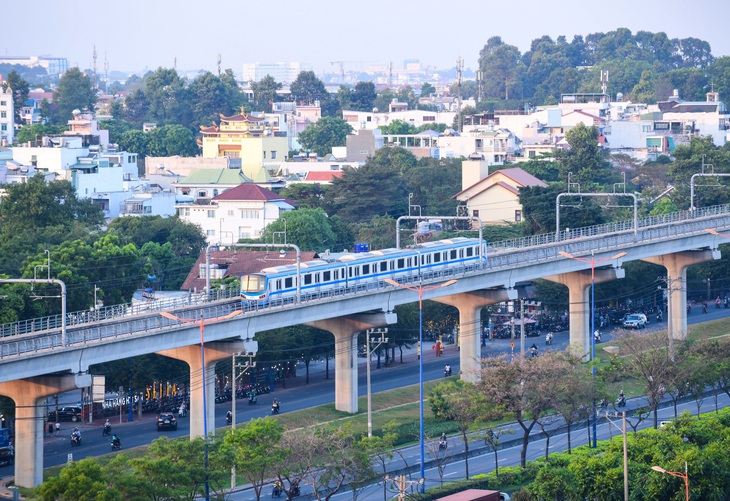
(549, 338)
(275, 406)
(621, 398)
(447, 370)
(107, 427)
(533, 350)
(597, 336)
(278, 488)
(76, 435)
(116, 442)
(229, 417)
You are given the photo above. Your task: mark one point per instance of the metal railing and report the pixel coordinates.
(128, 319)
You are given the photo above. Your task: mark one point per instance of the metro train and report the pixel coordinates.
(350, 270)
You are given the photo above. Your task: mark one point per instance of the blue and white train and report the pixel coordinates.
(350, 271)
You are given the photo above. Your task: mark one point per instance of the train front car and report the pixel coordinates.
(254, 289)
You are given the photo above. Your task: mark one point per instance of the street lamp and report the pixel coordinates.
(202, 323)
(683, 476)
(420, 289)
(626, 455)
(593, 261)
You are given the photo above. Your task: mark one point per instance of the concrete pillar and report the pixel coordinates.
(29, 420)
(214, 351)
(345, 330)
(676, 265)
(470, 306)
(579, 307)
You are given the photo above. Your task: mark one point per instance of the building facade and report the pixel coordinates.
(7, 114)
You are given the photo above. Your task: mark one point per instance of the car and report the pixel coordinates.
(66, 413)
(166, 421)
(635, 321)
(7, 455)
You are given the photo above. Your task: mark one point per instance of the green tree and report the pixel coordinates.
(83, 480)
(257, 452)
(397, 127)
(363, 96)
(136, 108)
(75, 91)
(169, 99)
(427, 89)
(502, 68)
(306, 195)
(307, 88)
(307, 228)
(116, 128)
(20, 90)
(171, 140)
(264, 93)
(324, 134)
(186, 239)
(135, 140)
(210, 99)
(31, 132)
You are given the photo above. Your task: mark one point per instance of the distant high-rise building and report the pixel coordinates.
(55, 66)
(284, 73)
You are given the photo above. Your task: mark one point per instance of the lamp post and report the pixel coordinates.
(626, 455)
(377, 342)
(683, 476)
(420, 289)
(202, 323)
(593, 261)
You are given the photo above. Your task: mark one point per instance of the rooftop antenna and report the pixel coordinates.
(390, 75)
(604, 81)
(94, 68)
(106, 71)
(459, 68)
(174, 63)
(219, 64)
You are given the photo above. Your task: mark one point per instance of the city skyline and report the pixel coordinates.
(327, 34)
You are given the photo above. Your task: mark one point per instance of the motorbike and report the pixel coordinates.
(443, 445)
(116, 444)
(447, 371)
(75, 440)
(597, 337)
(704, 308)
(229, 418)
(621, 402)
(548, 338)
(274, 408)
(252, 399)
(107, 430)
(277, 490)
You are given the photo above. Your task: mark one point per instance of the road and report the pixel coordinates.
(296, 396)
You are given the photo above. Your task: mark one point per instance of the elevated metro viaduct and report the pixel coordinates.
(32, 375)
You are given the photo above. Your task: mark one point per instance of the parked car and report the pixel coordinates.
(635, 321)
(67, 413)
(166, 421)
(7, 455)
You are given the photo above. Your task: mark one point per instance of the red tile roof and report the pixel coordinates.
(250, 191)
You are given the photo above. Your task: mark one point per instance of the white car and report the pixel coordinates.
(635, 321)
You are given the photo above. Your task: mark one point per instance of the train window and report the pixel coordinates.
(288, 282)
(277, 285)
(453, 254)
(316, 277)
(366, 269)
(308, 279)
(384, 266)
(252, 283)
(327, 276)
(469, 251)
(400, 264)
(437, 257)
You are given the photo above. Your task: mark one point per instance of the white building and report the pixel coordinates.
(370, 120)
(241, 212)
(7, 113)
(55, 66)
(284, 73)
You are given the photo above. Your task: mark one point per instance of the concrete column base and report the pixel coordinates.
(676, 265)
(579, 283)
(29, 420)
(214, 351)
(345, 330)
(470, 306)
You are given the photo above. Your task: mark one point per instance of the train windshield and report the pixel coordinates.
(252, 283)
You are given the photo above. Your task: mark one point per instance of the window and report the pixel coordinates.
(3, 103)
(3, 114)
(4, 127)
(273, 155)
(230, 212)
(202, 194)
(147, 209)
(453, 254)
(369, 119)
(308, 279)
(383, 266)
(250, 214)
(518, 215)
(210, 233)
(366, 269)
(264, 155)
(475, 213)
(327, 276)
(401, 263)
(289, 282)
(429, 118)
(211, 214)
(183, 212)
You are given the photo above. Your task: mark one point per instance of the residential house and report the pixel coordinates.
(495, 198)
(240, 212)
(7, 115)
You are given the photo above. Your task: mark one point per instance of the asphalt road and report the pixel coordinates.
(297, 396)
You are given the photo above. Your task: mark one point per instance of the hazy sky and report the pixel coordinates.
(138, 34)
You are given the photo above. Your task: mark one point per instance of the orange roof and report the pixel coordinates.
(323, 175)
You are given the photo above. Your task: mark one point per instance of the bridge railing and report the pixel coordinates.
(535, 248)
